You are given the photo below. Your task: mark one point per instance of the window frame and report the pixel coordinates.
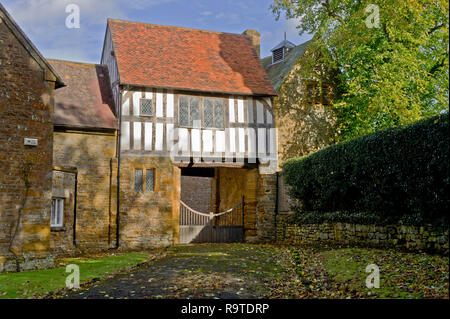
(146, 179)
(312, 99)
(144, 171)
(151, 107)
(135, 180)
(55, 210)
(201, 109)
(214, 101)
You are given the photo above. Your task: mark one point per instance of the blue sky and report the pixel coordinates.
(44, 21)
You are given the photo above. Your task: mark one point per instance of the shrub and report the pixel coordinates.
(398, 173)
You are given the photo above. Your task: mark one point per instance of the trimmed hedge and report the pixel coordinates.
(399, 173)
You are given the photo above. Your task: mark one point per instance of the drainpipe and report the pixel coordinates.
(118, 169)
(75, 211)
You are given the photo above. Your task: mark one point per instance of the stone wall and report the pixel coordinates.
(413, 238)
(266, 210)
(93, 155)
(149, 219)
(26, 111)
(235, 183)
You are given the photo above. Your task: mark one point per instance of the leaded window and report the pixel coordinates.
(189, 113)
(184, 111)
(150, 180)
(194, 113)
(146, 107)
(138, 180)
(213, 113)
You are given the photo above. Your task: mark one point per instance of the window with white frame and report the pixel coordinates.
(57, 212)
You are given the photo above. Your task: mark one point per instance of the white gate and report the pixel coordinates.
(225, 227)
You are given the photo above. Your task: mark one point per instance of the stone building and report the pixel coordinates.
(171, 139)
(27, 84)
(84, 159)
(306, 86)
(195, 113)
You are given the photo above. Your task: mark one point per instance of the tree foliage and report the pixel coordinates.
(393, 73)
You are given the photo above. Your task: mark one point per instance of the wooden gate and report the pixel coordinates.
(225, 227)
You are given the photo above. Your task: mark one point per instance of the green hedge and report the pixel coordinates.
(398, 173)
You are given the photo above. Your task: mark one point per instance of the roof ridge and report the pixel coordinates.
(174, 27)
(76, 62)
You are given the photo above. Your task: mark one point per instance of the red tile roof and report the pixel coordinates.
(187, 59)
(87, 100)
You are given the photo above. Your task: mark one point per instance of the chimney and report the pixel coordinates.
(255, 36)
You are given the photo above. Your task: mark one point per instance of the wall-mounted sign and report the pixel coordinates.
(30, 142)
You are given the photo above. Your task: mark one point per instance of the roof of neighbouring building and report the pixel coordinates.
(28, 45)
(279, 71)
(87, 100)
(187, 59)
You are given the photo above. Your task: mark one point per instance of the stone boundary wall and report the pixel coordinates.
(412, 238)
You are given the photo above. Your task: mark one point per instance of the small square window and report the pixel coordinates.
(146, 107)
(138, 180)
(57, 214)
(150, 180)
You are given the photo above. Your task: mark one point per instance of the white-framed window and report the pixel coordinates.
(57, 212)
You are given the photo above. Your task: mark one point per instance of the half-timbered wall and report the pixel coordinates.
(248, 130)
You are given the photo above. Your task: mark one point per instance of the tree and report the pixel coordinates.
(393, 57)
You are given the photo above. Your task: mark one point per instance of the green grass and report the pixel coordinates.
(402, 275)
(29, 284)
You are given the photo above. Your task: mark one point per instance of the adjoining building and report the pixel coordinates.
(27, 85)
(306, 86)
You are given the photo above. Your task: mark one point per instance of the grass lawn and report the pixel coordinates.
(341, 273)
(32, 284)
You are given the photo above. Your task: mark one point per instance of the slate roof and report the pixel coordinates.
(87, 100)
(187, 59)
(279, 71)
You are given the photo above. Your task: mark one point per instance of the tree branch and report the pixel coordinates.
(331, 13)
